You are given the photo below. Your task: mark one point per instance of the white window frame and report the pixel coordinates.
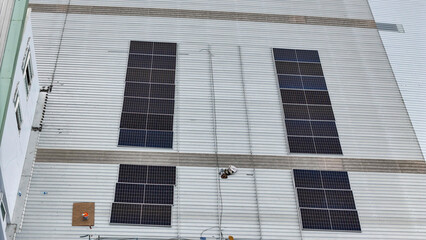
(3, 208)
(28, 71)
(17, 105)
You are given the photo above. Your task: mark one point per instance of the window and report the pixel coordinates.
(28, 71)
(325, 200)
(309, 117)
(144, 195)
(3, 209)
(148, 106)
(17, 109)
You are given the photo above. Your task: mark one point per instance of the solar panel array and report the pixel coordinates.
(148, 106)
(144, 195)
(326, 200)
(309, 117)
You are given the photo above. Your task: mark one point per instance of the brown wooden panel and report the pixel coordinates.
(78, 209)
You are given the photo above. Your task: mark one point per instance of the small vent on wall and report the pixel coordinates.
(390, 27)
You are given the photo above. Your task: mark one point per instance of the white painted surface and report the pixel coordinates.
(84, 108)
(6, 8)
(14, 143)
(406, 53)
(390, 205)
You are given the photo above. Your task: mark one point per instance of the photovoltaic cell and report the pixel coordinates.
(138, 75)
(162, 175)
(163, 76)
(307, 178)
(126, 213)
(133, 173)
(139, 61)
(312, 69)
(158, 194)
(321, 112)
(160, 122)
(132, 137)
(159, 139)
(325, 200)
(293, 96)
(130, 193)
(298, 127)
(164, 48)
(307, 56)
(161, 106)
(328, 145)
(295, 111)
(335, 180)
(133, 89)
(345, 220)
(340, 199)
(324, 128)
(138, 105)
(301, 144)
(149, 89)
(285, 54)
(139, 47)
(314, 83)
(290, 81)
(315, 219)
(317, 97)
(305, 97)
(287, 68)
(156, 215)
(311, 198)
(162, 91)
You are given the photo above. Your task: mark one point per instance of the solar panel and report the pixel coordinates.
(130, 193)
(144, 195)
(156, 215)
(161, 175)
(305, 97)
(301, 144)
(307, 178)
(335, 180)
(132, 173)
(138, 75)
(340, 199)
(315, 219)
(149, 88)
(311, 198)
(325, 200)
(126, 213)
(141, 47)
(345, 220)
(159, 194)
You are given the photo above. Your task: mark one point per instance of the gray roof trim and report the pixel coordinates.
(209, 160)
(201, 14)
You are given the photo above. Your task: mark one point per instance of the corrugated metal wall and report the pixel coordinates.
(390, 206)
(84, 108)
(6, 9)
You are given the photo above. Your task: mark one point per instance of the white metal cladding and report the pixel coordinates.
(6, 9)
(357, 9)
(47, 41)
(84, 108)
(405, 52)
(390, 205)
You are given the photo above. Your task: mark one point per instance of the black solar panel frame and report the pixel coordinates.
(295, 96)
(166, 202)
(352, 211)
(139, 85)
